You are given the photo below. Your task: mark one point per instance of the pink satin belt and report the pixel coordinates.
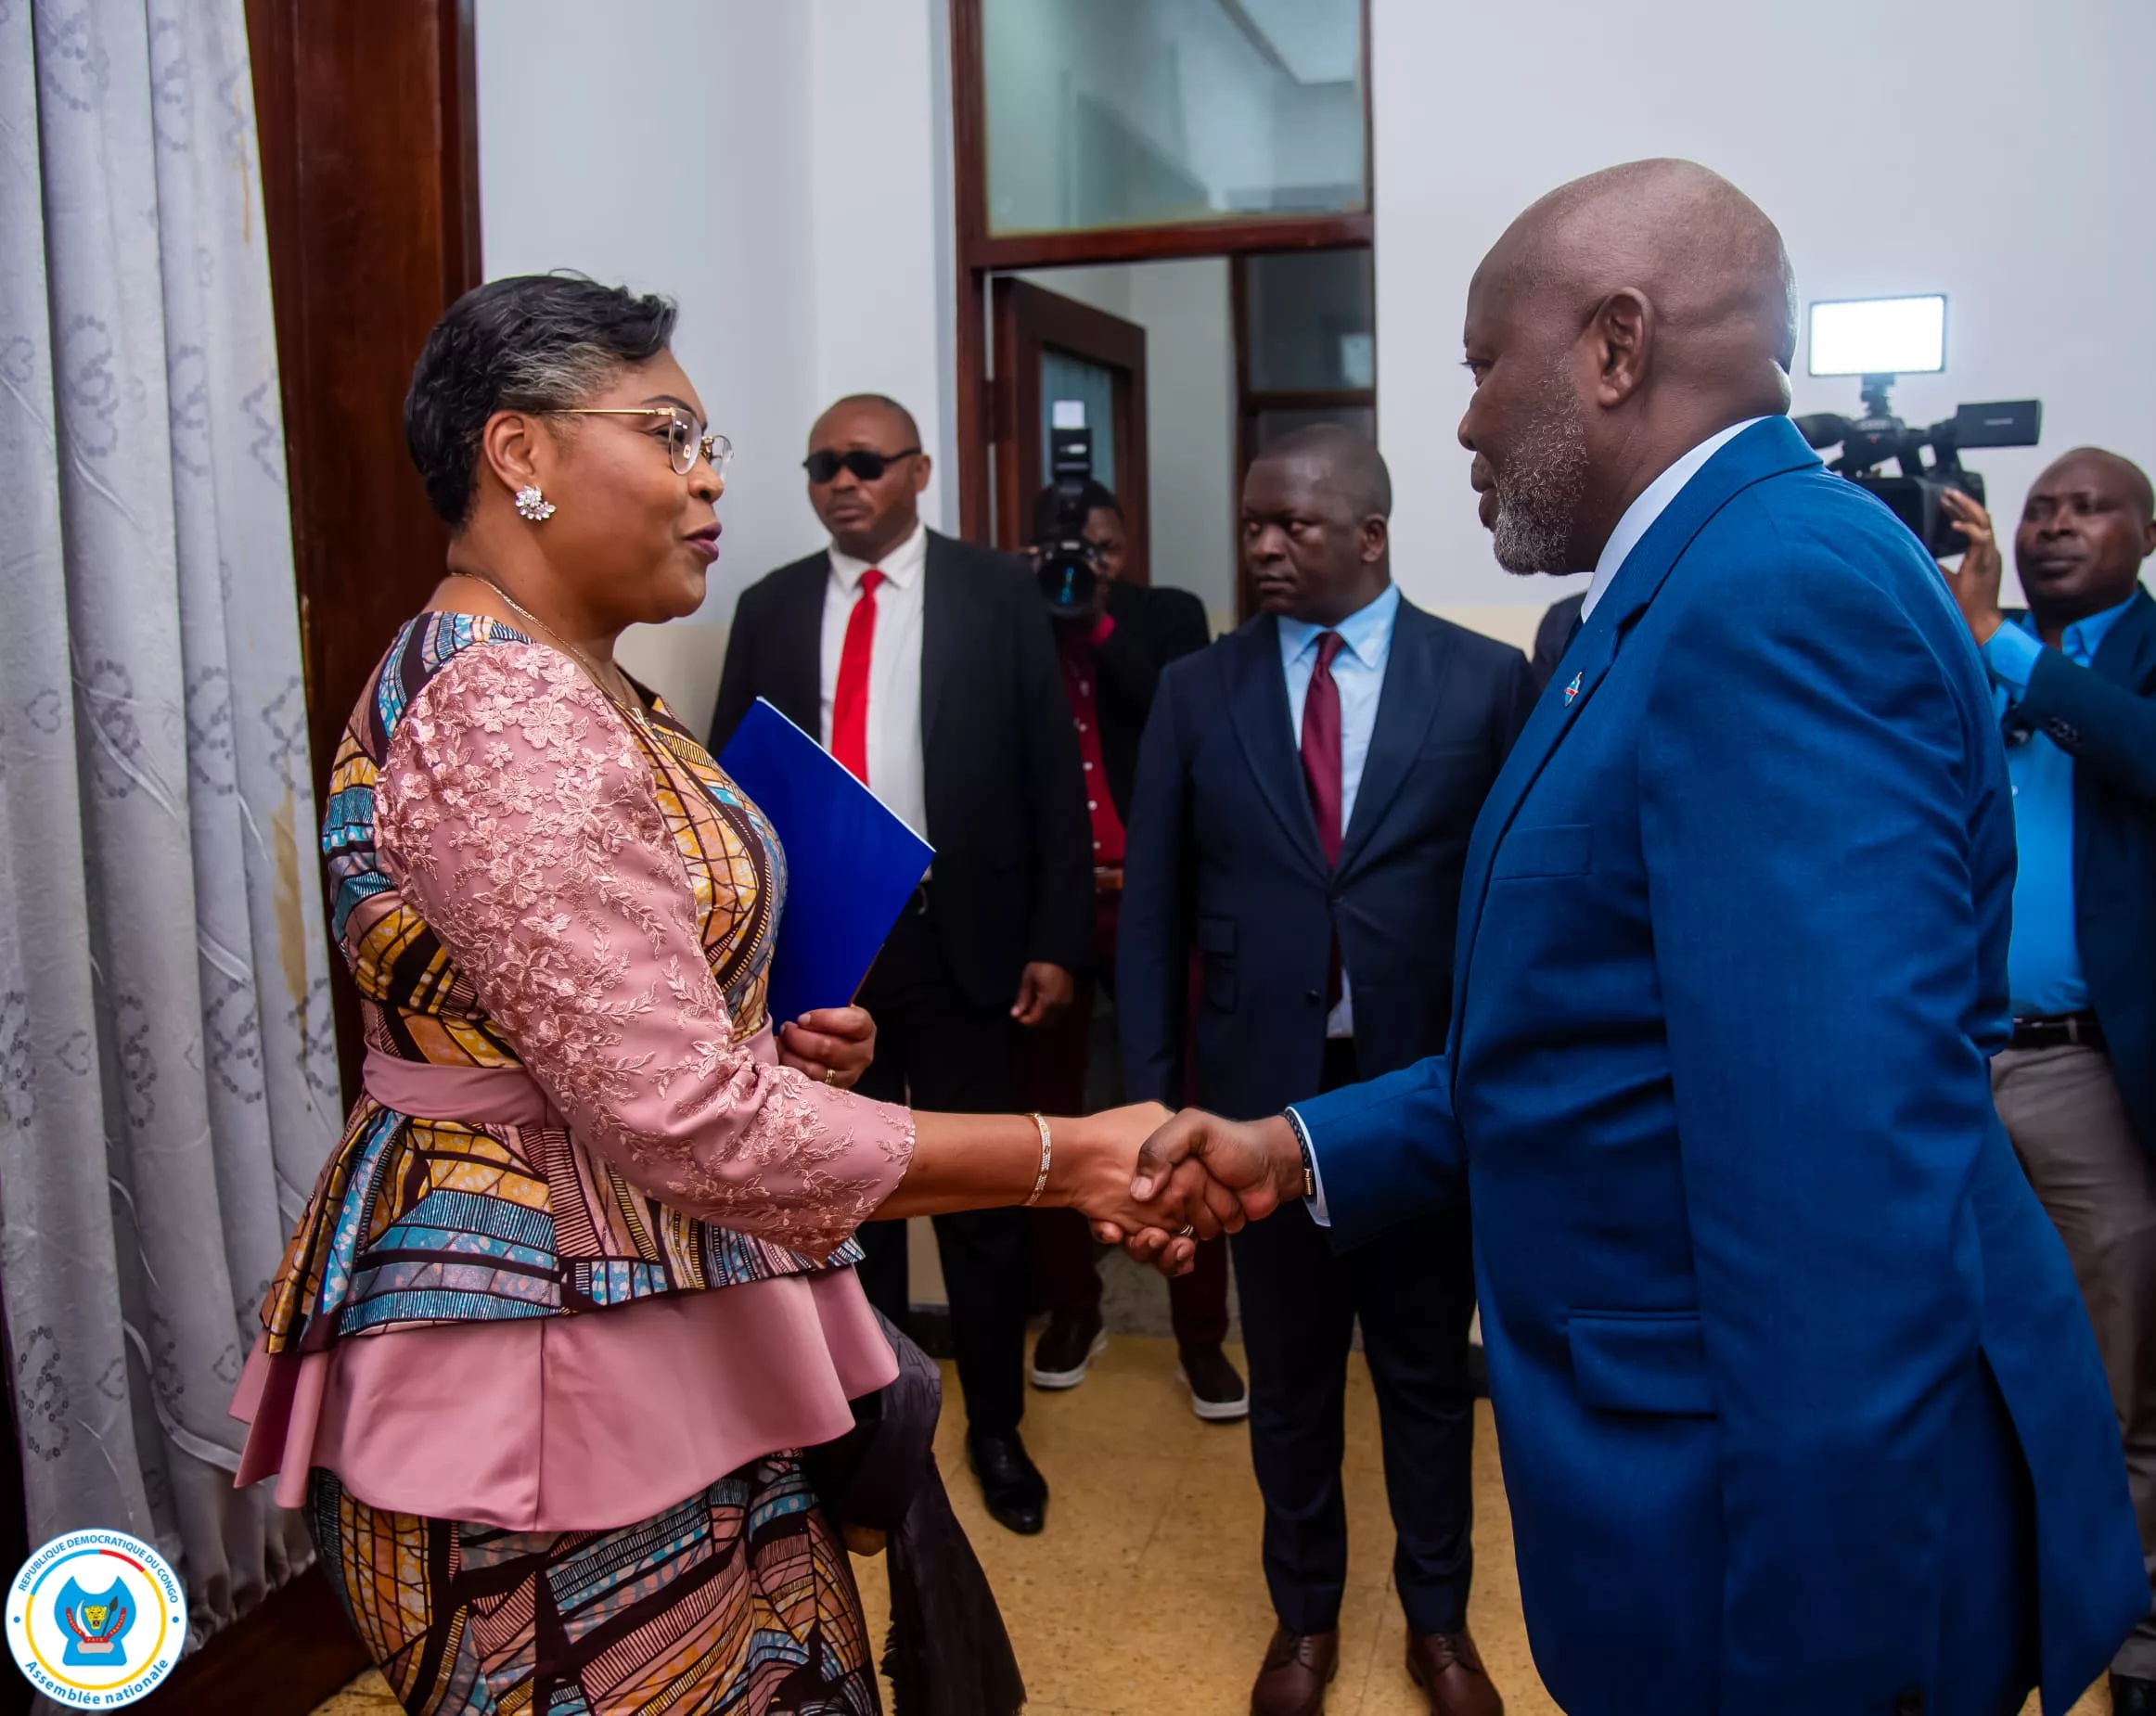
(476, 1095)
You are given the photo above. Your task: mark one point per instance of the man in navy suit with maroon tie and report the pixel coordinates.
(1305, 788)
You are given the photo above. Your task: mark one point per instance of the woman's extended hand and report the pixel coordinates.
(833, 1046)
(1103, 1158)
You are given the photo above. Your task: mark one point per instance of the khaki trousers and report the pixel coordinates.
(2060, 1106)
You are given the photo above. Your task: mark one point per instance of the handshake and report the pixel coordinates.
(1167, 1180)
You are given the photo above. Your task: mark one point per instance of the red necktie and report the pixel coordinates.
(850, 704)
(1320, 745)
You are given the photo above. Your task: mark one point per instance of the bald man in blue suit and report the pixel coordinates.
(1800, 1411)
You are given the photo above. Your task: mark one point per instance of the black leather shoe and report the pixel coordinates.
(1010, 1483)
(2132, 1696)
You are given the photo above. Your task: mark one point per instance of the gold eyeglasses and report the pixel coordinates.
(685, 436)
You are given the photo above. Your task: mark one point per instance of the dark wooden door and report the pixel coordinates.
(1039, 334)
(369, 126)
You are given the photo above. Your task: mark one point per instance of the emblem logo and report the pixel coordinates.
(96, 1620)
(1573, 690)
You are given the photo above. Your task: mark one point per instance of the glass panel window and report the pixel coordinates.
(1309, 318)
(1139, 112)
(1267, 426)
(1093, 386)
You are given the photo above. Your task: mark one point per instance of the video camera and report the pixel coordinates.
(1067, 566)
(1879, 338)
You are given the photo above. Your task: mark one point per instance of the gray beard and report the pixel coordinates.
(1540, 489)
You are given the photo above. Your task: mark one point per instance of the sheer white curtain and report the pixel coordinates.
(168, 1082)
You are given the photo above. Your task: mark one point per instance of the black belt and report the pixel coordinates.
(2058, 1031)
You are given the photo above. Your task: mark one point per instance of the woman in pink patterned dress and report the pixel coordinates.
(577, 1287)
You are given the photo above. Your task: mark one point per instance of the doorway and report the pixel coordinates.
(1191, 367)
(1090, 140)
(1052, 349)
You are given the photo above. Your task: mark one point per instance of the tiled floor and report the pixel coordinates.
(1145, 1593)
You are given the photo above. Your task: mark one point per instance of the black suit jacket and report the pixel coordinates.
(1224, 853)
(2104, 715)
(1013, 877)
(1153, 627)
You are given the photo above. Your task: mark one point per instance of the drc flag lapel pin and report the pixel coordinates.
(1573, 690)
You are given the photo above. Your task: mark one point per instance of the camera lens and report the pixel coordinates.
(1067, 577)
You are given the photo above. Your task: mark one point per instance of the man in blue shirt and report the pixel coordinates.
(1305, 787)
(2074, 678)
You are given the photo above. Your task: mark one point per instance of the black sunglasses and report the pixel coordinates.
(823, 463)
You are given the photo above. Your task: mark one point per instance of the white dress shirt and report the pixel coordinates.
(896, 773)
(1358, 671)
(1652, 502)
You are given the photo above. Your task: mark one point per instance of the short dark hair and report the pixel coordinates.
(1351, 458)
(883, 402)
(1099, 498)
(529, 342)
(2138, 486)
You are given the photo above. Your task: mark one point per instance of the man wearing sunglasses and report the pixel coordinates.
(927, 666)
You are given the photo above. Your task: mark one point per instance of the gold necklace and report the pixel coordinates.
(631, 704)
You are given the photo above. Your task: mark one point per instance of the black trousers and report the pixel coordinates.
(937, 1050)
(1414, 1288)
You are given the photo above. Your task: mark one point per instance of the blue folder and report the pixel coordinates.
(851, 863)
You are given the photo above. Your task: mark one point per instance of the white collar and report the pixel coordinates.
(901, 566)
(1653, 500)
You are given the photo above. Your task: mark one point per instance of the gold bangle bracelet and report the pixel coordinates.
(1048, 1152)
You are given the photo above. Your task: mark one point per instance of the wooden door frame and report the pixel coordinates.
(368, 119)
(981, 254)
(1031, 319)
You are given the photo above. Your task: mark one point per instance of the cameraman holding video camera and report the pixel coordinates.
(1113, 637)
(2074, 678)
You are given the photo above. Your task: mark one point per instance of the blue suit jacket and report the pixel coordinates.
(1223, 854)
(1777, 1334)
(2104, 716)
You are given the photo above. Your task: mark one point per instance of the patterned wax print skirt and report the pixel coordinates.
(739, 1599)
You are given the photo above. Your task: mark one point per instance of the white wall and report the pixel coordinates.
(781, 169)
(2000, 153)
(1184, 308)
(880, 191)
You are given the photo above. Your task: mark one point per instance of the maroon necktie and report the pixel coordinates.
(1321, 746)
(1321, 774)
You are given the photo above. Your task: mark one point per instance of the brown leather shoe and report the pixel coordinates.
(1298, 1668)
(1449, 1669)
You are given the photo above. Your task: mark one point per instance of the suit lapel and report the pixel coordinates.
(1407, 705)
(943, 617)
(2127, 659)
(1569, 691)
(1765, 450)
(2125, 656)
(1258, 692)
(797, 652)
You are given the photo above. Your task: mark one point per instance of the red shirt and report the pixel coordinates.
(1080, 675)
